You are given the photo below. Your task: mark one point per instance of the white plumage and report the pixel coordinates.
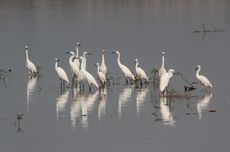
(203, 80)
(60, 72)
(29, 64)
(140, 72)
(73, 63)
(164, 79)
(124, 69)
(103, 67)
(87, 76)
(162, 68)
(101, 75)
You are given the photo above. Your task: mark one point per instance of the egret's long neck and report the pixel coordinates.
(27, 57)
(83, 64)
(71, 58)
(77, 51)
(136, 65)
(56, 65)
(163, 61)
(198, 72)
(98, 69)
(84, 61)
(119, 59)
(103, 59)
(170, 74)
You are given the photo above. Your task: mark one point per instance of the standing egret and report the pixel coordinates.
(203, 80)
(124, 69)
(61, 74)
(101, 75)
(140, 72)
(74, 65)
(87, 76)
(103, 67)
(162, 68)
(164, 80)
(32, 69)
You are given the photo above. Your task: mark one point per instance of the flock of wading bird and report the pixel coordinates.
(80, 74)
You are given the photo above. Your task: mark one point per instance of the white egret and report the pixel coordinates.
(61, 74)
(87, 76)
(162, 68)
(101, 75)
(73, 64)
(140, 72)
(124, 69)
(103, 67)
(164, 79)
(203, 80)
(32, 69)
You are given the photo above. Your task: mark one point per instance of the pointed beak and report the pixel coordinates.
(67, 52)
(114, 52)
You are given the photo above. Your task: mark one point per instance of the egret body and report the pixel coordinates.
(32, 69)
(61, 73)
(203, 80)
(103, 67)
(164, 79)
(140, 72)
(124, 69)
(101, 75)
(87, 76)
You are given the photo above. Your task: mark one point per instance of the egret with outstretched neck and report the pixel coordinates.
(31, 67)
(162, 68)
(61, 74)
(203, 80)
(87, 76)
(74, 65)
(164, 80)
(101, 76)
(140, 72)
(103, 67)
(124, 69)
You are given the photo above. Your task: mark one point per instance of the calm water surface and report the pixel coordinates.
(120, 118)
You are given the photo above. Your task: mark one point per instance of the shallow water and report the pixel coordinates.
(120, 118)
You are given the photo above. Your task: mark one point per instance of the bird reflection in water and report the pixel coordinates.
(203, 103)
(81, 107)
(166, 112)
(102, 103)
(124, 96)
(31, 84)
(61, 102)
(141, 95)
(75, 109)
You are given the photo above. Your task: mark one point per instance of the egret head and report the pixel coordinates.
(56, 59)
(78, 44)
(97, 64)
(171, 71)
(163, 53)
(136, 60)
(26, 47)
(81, 58)
(117, 52)
(70, 52)
(197, 67)
(103, 51)
(85, 52)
